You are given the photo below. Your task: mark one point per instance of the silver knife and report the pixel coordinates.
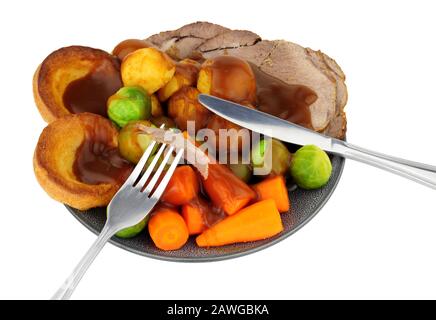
(264, 123)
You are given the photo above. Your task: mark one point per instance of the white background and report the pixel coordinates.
(374, 239)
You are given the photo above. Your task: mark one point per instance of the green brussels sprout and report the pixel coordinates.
(258, 153)
(133, 231)
(159, 121)
(242, 171)
(159, 161)
(311, 167)
(132, 142)
(280, 159)
(129, 103)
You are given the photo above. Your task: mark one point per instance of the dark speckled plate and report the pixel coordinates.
(305, 205)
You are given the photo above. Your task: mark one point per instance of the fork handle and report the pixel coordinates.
(419, 172)
(67, 288)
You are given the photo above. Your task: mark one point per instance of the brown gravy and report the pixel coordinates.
(99, 162)
(211, 214)
(236, 80)
(289, 102)
(128, 46)
(232, 79)
(90, 93)
(188, 70)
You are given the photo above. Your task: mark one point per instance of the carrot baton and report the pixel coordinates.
(194, 218)
(199, 215)
(274, 188)
(257, 222)
(183, 186)
(167, 229)
(226, 190)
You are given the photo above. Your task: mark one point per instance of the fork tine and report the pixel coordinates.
(140, 165)
(151, 166)
(164, 182)
(159, 171)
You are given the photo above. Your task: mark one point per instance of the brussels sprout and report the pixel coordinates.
(280, 156)
(133, 231)
(311, 167)
(168, 122)
(159, 161)
(258, 154)
(129, 103)
(242, 171)
(132, 142)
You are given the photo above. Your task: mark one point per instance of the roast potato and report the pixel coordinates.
(156, 107)
(186, 75)
(163, 120)
(183, 106)
(148, 68)
(228, 77)
(235, 139)
(124, 48)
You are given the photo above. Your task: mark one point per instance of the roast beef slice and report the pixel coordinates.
(285, 60)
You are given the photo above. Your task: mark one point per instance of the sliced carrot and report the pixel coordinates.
(194, 218)
(200, 214)
(274, 188)
(257, 222)
(167, 229)
(182, 188)
(226, 190)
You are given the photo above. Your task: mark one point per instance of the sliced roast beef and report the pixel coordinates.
(183, 42)
(229, 40)
(257, 53)
(282, 59)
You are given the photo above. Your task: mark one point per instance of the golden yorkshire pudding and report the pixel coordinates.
(75, 79)
(76, 161)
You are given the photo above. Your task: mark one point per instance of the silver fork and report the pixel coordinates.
(130, 205)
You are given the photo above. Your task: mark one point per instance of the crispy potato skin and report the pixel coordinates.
(126, 47)
(54, 158)
(204, 83)
(228, 77)
(170, 88)
(156, 107)
(167, 122)
(216, 123)
(186, 75)
(183, 106)
(148, 68)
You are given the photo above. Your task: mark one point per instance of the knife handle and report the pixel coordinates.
(415, 171)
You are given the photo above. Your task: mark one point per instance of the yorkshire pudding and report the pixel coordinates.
(76, 161)
(75, 79)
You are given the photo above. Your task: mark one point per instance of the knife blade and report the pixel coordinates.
(274, 127)
(264, 123)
